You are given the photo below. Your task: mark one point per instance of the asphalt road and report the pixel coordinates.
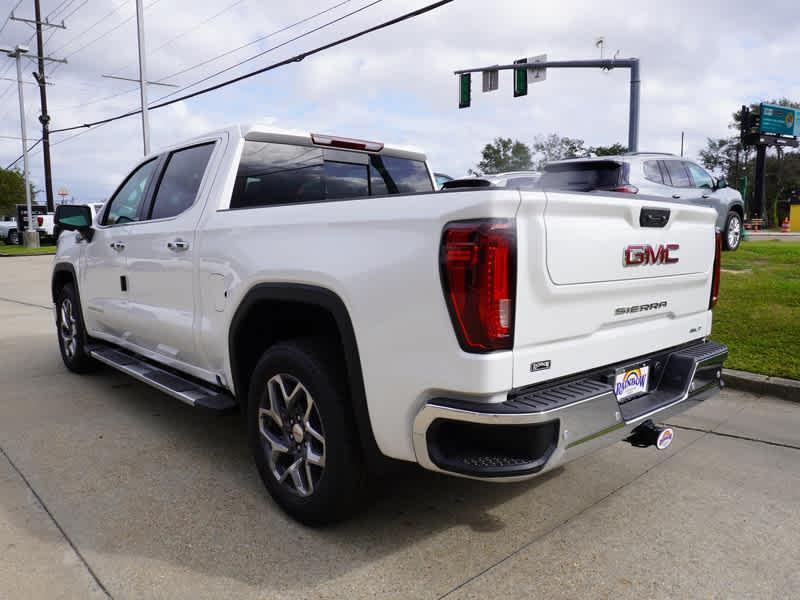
(110, 488)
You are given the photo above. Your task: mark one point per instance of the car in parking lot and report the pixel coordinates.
(8, 230)
(654, 174)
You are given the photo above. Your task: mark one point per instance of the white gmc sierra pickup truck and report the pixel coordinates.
(352, 313)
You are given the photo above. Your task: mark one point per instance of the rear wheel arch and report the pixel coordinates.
(275, 312)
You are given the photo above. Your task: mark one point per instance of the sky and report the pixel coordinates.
(700, 61)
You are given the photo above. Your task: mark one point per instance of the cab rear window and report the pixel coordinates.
(273, 174)
(584, 176)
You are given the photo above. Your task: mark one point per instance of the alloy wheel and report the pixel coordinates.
(734, 232)
(68, 328)
(291, 428)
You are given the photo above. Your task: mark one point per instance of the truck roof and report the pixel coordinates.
(269, 133)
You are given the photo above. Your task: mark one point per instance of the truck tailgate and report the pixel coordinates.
(594, 286)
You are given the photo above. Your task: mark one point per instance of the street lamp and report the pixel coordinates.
(31, 236)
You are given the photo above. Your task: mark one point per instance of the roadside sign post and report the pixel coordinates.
(532, 70)
(772, 125)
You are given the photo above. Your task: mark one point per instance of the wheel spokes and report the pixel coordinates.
(292, 428)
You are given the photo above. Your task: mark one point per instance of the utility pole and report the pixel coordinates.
(541, 66)
(44, 118)
(142, 77)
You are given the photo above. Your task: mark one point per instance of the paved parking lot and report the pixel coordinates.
(110, 488)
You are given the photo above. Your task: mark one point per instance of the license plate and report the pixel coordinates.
(631, 381)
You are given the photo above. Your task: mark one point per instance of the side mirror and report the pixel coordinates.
(70, 217)
(721, 183)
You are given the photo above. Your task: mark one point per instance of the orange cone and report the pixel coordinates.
(785, 225)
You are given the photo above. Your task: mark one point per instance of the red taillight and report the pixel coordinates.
(715, 277)
(626, 189)
(40, 220)
(478, 262)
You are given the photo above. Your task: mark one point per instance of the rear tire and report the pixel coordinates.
(302, 434)
(13, 237)
(71, 332)
(733, 231)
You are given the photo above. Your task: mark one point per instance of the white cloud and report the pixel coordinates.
(700, 61)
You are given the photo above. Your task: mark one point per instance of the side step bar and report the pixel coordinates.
(190, 392)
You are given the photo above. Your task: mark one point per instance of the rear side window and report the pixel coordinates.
(652, 172)
(392, 175)
(346, 180)
(273, 174)
(180, 182)
(583, 176)
(678, 173)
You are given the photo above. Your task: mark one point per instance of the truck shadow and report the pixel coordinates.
(128, 471)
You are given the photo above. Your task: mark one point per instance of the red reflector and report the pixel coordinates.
(715, 277)
(352, 144)
(40, 220)
(478, 262)
(626, 189)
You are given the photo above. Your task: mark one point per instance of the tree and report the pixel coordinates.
(554, 147)
(504, 154)
(612, 150)
(12, 191)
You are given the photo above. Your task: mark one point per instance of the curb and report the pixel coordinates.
(788, 389)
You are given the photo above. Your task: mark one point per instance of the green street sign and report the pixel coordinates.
(779, 120)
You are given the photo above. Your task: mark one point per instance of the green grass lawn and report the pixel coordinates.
(10, 250)
(758, 314)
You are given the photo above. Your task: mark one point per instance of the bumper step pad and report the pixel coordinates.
(191, 392)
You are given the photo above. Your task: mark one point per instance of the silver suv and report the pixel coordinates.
(653, 174)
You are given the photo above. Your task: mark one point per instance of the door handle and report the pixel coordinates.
(705, 196)
(118, 246)
(676, 196)
(178, 245)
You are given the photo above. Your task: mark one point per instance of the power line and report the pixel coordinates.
(59, 8)
(196, 27)
(92, 26)
(102, 35)
(8, 18)
(255, 41)
(215, 58)
(293, 59)
(255, 56)
(19, 158)
(74, 10)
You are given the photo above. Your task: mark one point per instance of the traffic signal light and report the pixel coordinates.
(521, 79)
(464, 90)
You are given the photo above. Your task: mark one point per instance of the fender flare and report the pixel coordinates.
(331, 302)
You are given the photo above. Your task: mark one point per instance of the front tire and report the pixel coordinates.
(733, 231)
(71, 332)
(13, 237)
(302, 433)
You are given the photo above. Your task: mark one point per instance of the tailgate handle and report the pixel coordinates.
(653, 217)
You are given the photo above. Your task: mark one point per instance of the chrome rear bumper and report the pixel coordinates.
(538, 429)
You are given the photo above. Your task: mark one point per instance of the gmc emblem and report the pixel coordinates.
(644, 254)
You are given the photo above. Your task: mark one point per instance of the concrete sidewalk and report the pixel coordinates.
(116, 489)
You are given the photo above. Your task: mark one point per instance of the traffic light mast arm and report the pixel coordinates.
(607, 63)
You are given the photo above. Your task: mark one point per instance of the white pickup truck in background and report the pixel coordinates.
(352, 313)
